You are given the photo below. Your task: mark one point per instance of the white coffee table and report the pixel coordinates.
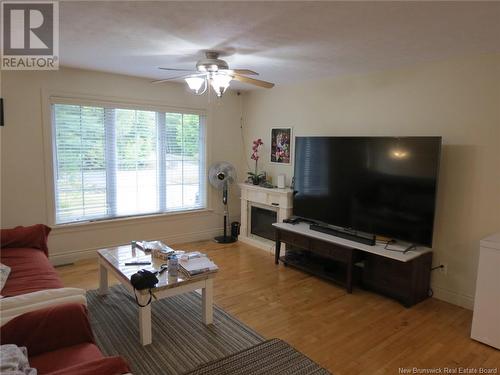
(113, 260)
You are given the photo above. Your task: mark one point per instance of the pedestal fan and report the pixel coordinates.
(221, 175)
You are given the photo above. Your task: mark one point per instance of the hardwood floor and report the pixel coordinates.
(359, 333)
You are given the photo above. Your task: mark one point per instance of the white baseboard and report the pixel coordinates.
(265, 245)
(73, 256)
(455, 298)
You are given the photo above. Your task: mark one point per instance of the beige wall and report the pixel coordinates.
(25, 190)
(458, 100)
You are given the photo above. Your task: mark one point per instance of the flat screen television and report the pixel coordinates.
(378, 185)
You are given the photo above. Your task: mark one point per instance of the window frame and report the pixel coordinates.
(51, 156)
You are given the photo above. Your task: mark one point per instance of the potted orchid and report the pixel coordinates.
(256, 177)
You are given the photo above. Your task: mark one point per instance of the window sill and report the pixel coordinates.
(128, 221)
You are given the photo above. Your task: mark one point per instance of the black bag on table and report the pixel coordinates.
(141, 280)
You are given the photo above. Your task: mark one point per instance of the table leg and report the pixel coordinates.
(277, 251)
(103, 279)
(145, 325)
(350, 265)
(207, 294)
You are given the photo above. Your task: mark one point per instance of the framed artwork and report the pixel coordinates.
(281, 145)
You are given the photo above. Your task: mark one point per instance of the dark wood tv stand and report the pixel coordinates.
(404, 277)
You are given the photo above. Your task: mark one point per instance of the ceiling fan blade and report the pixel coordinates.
(160, 81)
(245, 71)
(176, 77)
(253, 81)
(178, 70)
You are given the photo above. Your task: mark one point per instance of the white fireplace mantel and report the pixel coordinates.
(278, 200)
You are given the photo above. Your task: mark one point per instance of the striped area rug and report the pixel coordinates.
(181, 342)
(270, 357)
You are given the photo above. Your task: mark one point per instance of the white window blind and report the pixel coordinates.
(115, 162)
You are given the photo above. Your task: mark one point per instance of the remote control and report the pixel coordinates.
(137, 263)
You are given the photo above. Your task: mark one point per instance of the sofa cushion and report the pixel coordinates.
(49, 329)
(34, 236)
(30, 271)
(65, 357)
(103, 366)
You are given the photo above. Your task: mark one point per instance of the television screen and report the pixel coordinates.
(380, 185)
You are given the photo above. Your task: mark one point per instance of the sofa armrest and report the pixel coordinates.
(103, 366)
(49, 329)
(11, 307)
(46, 295)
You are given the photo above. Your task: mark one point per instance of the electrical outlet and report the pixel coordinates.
(444, 269)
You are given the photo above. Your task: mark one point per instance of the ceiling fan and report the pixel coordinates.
(214, 72)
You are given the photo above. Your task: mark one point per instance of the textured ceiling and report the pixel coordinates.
(286, 42)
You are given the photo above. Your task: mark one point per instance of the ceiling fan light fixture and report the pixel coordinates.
(214, 73)
(220, 82)
(195, 83)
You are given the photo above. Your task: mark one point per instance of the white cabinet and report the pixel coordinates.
(486, 319)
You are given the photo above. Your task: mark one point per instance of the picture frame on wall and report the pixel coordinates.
(281, 145)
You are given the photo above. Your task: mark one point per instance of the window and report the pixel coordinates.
(115, 162)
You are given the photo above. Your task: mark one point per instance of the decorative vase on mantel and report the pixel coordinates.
(255, 176)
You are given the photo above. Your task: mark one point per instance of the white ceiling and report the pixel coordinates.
(286, 42)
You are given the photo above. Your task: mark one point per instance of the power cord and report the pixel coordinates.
(384, 242)
(388, 242)
(243, 144)
(430, 293)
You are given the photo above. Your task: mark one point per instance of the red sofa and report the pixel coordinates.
(24, 250)
(59, 338)
(60, 341)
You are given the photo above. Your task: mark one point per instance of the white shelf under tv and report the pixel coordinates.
(378, 249)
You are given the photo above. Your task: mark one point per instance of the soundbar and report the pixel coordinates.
(367, 239)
